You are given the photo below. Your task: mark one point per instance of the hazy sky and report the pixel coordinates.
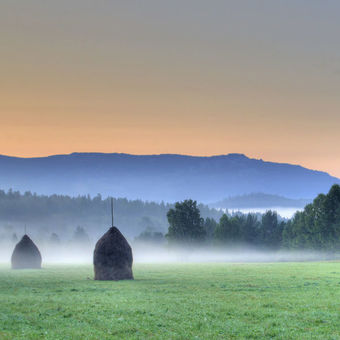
(191, 77)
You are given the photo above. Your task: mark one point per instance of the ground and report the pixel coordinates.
(173, 301)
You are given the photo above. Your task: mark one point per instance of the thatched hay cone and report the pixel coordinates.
(26, 255)
(112, 257)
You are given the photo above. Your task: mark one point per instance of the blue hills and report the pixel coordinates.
(165, 177)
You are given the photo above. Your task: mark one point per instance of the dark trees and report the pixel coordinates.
(318, 225)
(185, 223)
(210, 226)
(238, 229)
(229, 229)
(270, 232)
(250, 229)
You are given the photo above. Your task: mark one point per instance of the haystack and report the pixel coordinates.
(26, 255)
(112, 257)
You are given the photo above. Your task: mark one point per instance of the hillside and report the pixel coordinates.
(160, 177)
(260, 200)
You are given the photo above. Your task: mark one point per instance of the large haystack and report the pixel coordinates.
(26, 255)
(112, 257)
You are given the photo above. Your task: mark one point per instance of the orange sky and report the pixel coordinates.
(260, 79)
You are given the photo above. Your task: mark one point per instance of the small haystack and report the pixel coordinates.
(26, 255)
(112, 257)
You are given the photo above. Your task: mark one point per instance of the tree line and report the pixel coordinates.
(186, 226)
(62, 214)
(316, 227)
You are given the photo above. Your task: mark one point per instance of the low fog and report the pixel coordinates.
(75, 253)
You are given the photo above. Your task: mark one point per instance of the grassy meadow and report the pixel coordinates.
(173, 301)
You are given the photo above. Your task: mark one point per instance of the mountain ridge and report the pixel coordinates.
(236, 155)
(167, 177)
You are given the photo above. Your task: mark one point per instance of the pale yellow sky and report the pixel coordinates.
(260, 78)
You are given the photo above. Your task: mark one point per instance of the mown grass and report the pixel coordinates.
(179, 301)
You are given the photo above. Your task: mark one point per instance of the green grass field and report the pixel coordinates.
(179, 301)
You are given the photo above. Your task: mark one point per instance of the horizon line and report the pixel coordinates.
(165, 154)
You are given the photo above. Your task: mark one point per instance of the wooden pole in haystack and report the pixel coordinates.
(111, 212)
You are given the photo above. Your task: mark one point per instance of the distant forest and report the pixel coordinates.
(63, 214)
(317, 227)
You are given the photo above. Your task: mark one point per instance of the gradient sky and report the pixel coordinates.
(190, 77)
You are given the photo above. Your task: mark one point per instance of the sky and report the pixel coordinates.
(191, 77)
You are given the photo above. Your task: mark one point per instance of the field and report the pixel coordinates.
(174, 301)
